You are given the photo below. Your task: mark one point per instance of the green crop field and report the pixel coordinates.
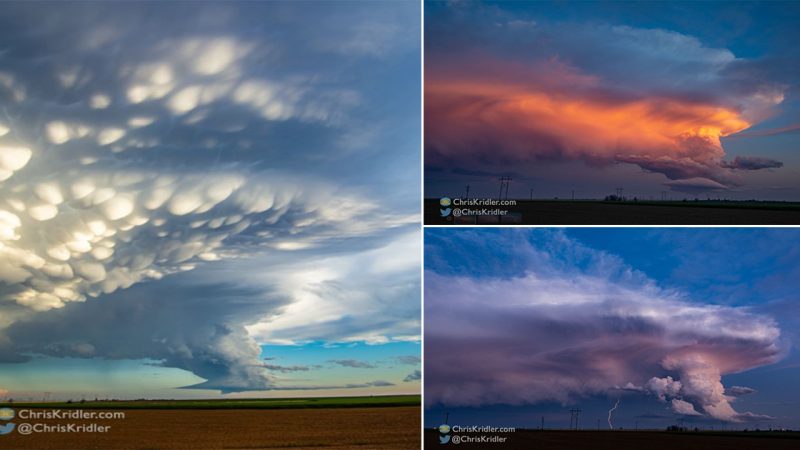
(249, 403)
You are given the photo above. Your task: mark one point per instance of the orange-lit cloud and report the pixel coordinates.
(550, 111)
(563, 115)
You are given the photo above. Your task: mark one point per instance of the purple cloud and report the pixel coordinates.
(557, 334)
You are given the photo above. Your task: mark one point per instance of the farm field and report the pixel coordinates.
(261, 427)
(554, 212)
(621, 440)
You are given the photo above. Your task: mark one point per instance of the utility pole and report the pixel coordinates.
(542, 423)
(573, 418)
(531, 193)
(573, 195)
(504, 182)
(467, 192)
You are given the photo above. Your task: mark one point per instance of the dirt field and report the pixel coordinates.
(633, 440)
(602, 213)
(341, 428)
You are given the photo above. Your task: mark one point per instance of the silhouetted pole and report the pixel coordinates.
(467, 192)
(573, 416)
(542, 423)
(504, 182)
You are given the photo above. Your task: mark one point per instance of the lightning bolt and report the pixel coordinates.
(610, 412)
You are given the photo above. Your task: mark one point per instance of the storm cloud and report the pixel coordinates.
(142, 143)
(573, 322)
(498, 93)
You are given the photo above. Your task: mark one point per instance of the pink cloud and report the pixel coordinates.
(547, 336)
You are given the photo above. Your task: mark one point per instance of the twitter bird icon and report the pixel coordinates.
(445, 212)
(444, 439)
(9, 427)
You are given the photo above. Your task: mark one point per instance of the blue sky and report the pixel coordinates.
(735, 290)
(193, 199)
(607, 59)
(311, 365)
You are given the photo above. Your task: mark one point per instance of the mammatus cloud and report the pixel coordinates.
(600, 94)
(135, 152)
(556, 333)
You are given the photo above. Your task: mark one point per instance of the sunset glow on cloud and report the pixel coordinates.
(505, 88)
(680, 138)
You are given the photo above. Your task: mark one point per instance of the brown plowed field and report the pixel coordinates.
(341, 428)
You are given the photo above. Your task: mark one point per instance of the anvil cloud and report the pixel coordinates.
(141, 143)
(500, 91)
(574, 322)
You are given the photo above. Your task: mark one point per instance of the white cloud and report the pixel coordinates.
(178, 154)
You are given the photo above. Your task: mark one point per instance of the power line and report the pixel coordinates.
(574, 414)
(504, 182)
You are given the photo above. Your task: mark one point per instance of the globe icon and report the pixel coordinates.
(444, 429)
(6, 413)
(444, 201)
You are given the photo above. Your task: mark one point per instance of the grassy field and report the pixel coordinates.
(595, 212)
(250, 403)
(634, 440)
